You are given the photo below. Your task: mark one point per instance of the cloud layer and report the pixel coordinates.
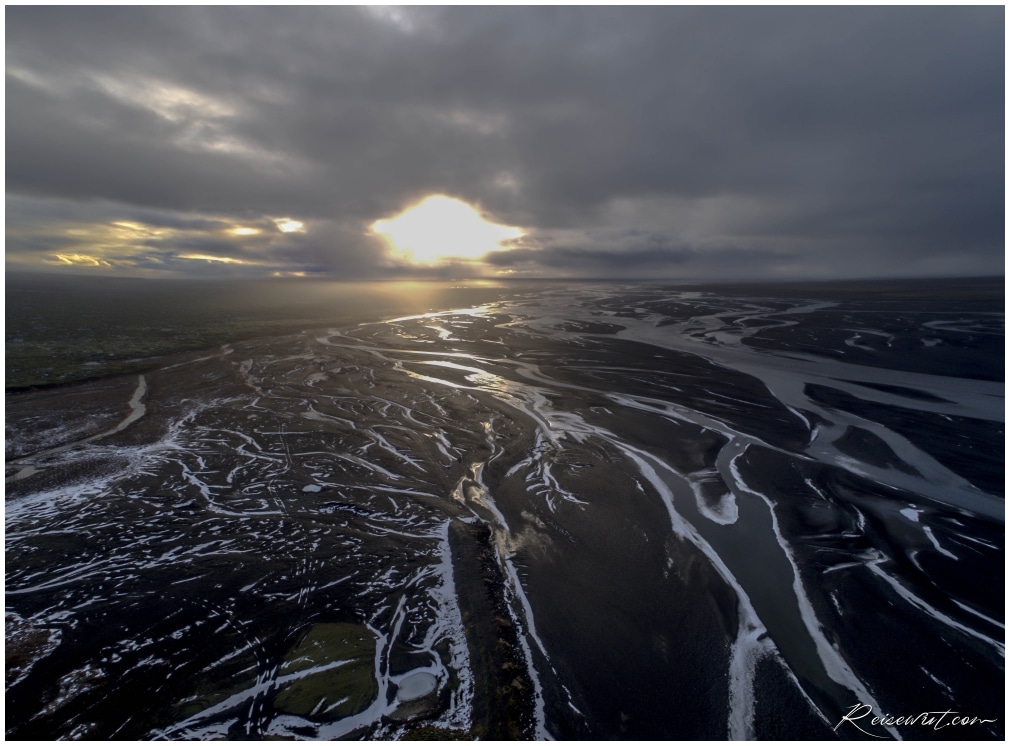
(676, 142)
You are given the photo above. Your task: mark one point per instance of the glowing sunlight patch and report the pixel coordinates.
(245, 231)
(440, 228)
(81, 260)
(287, 225)
(209, 258)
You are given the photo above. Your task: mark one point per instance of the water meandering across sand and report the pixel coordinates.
(688, 498)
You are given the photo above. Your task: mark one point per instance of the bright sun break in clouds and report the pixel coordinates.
(284, 225)
(209, 258)
(287, 225)
(441, 228)
(80, 259)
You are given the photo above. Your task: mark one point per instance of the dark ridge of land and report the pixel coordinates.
(503, 690)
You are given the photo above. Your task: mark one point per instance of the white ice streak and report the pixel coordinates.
(445, 626)
(929, 534)
(835, 665)
(944, 686)
(484, 310)
(137, 410)
(970, 326)
(979, 614)
(748, 647)
(448, 625)
(723, 510)
(37, 506)
(911, 514)
(385, 445)
(551, 425)
(929, 610)
(527, 624)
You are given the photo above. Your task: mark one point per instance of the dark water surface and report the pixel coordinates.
(569, 511)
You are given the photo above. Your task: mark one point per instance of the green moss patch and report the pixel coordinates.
(214, 686)
(328, 691)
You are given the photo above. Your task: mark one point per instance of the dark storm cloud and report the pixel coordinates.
(815, 141)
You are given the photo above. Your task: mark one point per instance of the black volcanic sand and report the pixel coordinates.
(612, 573)
(156, 513)
(567, 530)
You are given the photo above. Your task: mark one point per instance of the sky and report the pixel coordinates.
(412, 142)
